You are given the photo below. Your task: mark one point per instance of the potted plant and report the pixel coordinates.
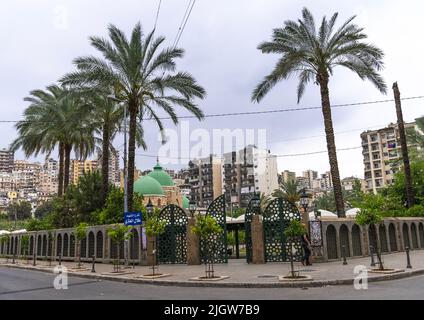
(154, 228)
(207, 227)
(80, 234)
(293, 232)
(118, 234)
(371, 216)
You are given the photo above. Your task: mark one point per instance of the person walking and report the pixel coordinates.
(306, 245)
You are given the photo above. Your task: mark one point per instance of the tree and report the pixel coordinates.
(106, 118)
(118, 234)
(206, 227)
(21, 210)
(370, 214)
(294, 231)
(289, 191)
(415, 138)
(140, 76)
(154, 228)
(44, 209)
(404, 148)
(312, 54)
(25, 245)
(80, 234)
(4, 240)
(55, 117)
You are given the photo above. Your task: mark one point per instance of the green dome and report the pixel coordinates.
(148, 186)
(186, 202)
(161, 176)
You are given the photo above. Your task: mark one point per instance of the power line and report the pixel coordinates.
(183, 22)
(277, 156)
(287, 109)
(157, 15)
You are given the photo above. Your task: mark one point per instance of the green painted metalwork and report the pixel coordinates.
(216, 245)
(276, 218)
(250, 211)
(172, 244)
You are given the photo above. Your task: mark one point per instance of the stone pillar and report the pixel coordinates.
(193, 244)
(258, 248)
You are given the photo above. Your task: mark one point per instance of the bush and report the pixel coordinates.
(415, 211)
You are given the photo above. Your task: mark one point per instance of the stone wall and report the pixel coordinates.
(62, 243)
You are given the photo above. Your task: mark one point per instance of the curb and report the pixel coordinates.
(191, 283)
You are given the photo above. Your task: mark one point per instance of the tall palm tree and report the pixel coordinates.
(289, 190)
(107, 117)
(141, 76)
(312, 54)
(55, 118)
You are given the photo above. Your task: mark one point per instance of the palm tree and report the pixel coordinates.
(55, 118)
(288, 190)
(416, 139)
(312, 54)
(141, 77)
(106, 118)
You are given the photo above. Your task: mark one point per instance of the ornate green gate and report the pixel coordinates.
(172, 246)
(216, 244)
(276, 218)
(250, 211)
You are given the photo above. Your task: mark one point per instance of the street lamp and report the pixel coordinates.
(149, 208)
(256, 203)
(192, 206)
(304, 200)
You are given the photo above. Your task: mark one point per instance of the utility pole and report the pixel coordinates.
(407, 168)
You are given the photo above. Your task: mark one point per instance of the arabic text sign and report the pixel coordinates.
(132, 218)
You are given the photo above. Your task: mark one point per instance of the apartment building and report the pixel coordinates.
(310, 175)
(205, 178)
(287, 176)
(6, 160)
(247, 171)
(381, 151)
(78, 168)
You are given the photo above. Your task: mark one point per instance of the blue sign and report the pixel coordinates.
(132, 218)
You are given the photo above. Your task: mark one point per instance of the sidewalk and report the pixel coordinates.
(241, 274)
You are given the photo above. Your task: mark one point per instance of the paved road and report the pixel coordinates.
(23, 284)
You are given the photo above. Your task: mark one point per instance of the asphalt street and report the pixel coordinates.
(34, 285)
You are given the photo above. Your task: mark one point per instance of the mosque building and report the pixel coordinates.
(160, 189)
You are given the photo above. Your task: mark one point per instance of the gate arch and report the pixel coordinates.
(344, 239)
(219, 242)
(83, 250)
(172, 246)
(59, 245)
(392, 237)
(44, 251)
(276, 218)
(90, 244)
(134, 244)
(414, 236)
(421, 233)
(39, 244)
(31, 245)
(383, 238)
(72, 245)
(331, 236)
(99, 247)
(405, 231)
(356, 241)
(65, 245)
(248, 230)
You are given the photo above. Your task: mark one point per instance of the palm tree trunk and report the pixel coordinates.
(131, 154)
(407, 169)
(68, 149)
(105, 163)
(331, 144)
(61, 163)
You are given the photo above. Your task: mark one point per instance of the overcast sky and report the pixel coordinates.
(40, 38)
